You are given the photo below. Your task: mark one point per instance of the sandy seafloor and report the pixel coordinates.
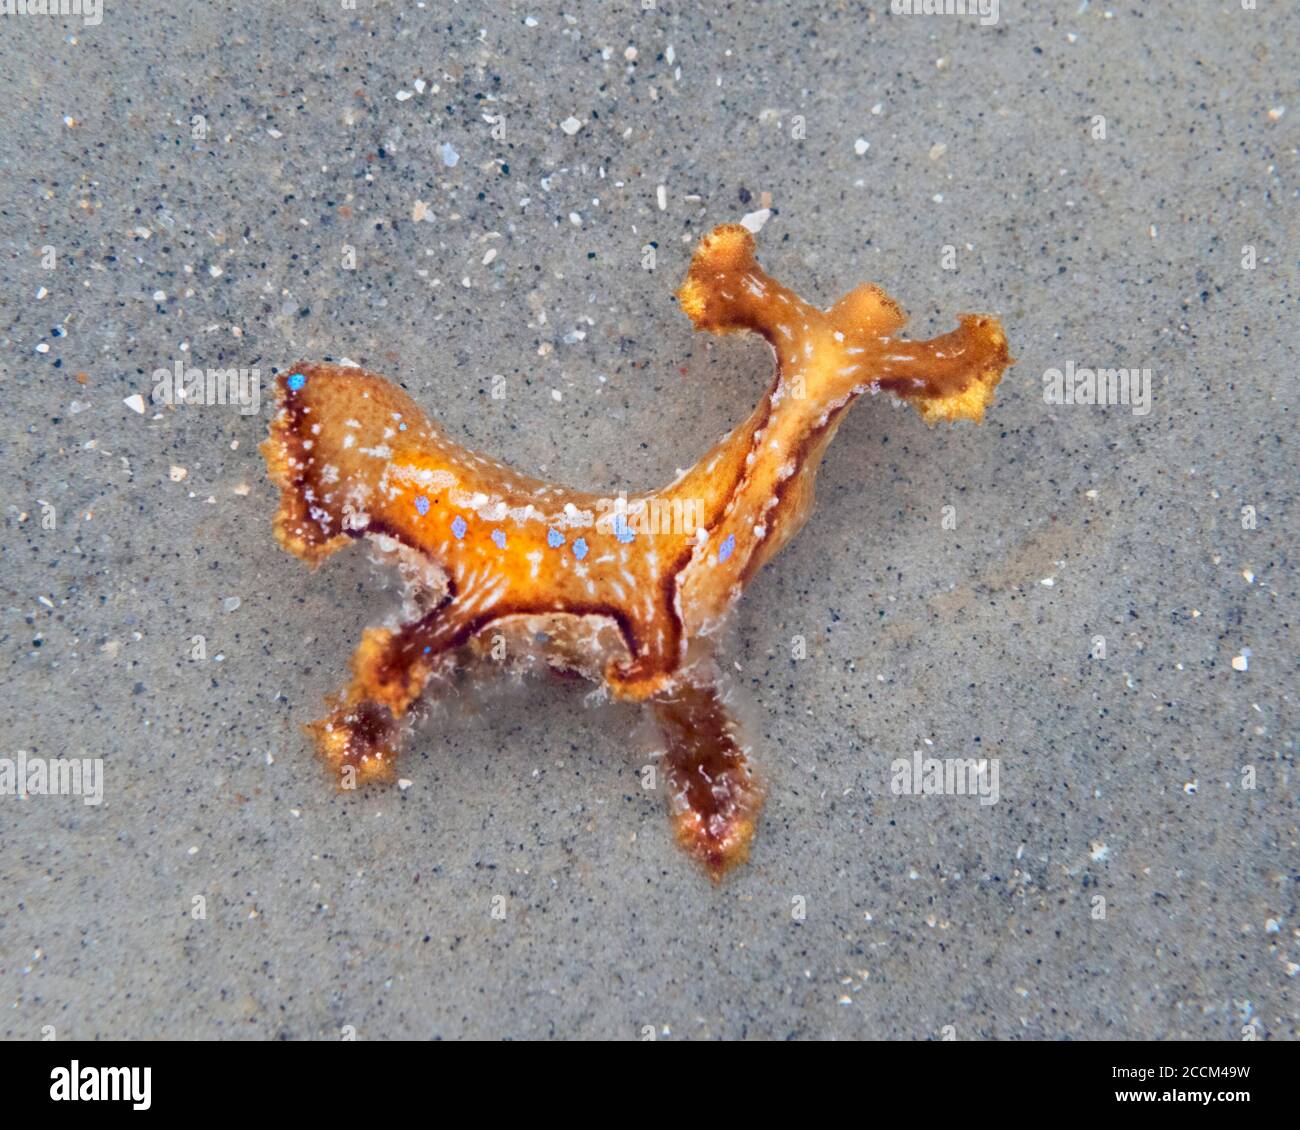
(1122, 778)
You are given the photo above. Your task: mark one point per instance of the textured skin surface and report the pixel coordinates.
(487, 548)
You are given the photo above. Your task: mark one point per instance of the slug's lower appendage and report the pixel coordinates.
(358, 742)
(713, 799)
(391, 672)
(359, 739)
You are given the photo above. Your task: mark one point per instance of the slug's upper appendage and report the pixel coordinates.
(720, 262)
(951, 377)
(852, 346)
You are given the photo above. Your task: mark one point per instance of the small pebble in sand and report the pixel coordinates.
(570, 125)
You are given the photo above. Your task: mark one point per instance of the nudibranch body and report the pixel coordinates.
(630, 591)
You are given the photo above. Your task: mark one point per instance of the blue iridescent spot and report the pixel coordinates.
(726, 548)
(622, 530)
(401, 427)
(296, 381)
(554, 538)
(422, 504)
(458, 527)
(580, 548)
(499, 538)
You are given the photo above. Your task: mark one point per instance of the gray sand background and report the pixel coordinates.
(861, 913)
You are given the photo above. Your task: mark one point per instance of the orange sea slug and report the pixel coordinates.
(500, 563)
